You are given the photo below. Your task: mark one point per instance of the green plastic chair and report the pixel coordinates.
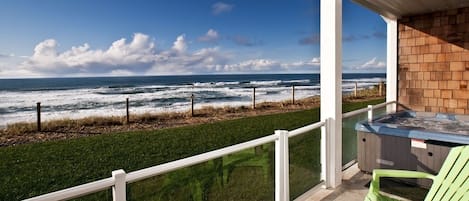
(451, 183)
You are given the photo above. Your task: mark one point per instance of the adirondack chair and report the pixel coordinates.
(451, 183)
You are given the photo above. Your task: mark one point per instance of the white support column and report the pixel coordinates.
(282, 182)
(119, 190)
(391, 63)
(331, 91)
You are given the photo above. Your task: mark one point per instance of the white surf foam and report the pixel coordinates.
(59, 104)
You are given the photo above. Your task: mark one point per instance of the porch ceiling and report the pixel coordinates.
(395, 9)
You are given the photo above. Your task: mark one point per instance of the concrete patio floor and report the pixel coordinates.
(355, 186)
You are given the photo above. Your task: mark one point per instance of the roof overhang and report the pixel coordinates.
(396, 9)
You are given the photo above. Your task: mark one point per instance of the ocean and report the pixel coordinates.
(106, 96)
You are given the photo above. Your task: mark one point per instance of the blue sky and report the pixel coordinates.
(52, 38)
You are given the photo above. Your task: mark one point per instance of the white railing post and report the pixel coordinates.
(331, 150)
(282, 182)
(118, 190)
(324, 131)
(370, 113)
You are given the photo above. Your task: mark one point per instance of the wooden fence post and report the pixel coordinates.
(380, 88)
(192, 105)
(38, 109)
(293, 94)
(127, 110)
(355, 90)
(254, 98)
(384, 88)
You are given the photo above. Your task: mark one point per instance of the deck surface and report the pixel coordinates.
(355, 187)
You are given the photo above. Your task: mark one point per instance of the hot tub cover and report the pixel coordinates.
(420, 125)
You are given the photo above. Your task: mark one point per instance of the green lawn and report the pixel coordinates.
(35, 169)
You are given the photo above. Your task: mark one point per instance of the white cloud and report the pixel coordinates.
(200, 61)
(140, 56)
(268, 65)
(211, 36)
(220, 7)
(136, 55)
(313, 62)
(252, 65)
(7, 72)
(9, 66)
(45, 49)
(180, 44)
(372, 64)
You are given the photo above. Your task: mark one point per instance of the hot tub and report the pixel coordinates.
(410, 140)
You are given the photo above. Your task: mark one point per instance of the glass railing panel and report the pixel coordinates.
(245, 175)
(305, 162)
(379, 112)
(349, 134)
(349, 137)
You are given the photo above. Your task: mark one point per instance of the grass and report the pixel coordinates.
(34, 169)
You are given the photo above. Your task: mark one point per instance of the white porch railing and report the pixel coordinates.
(369, 109)
(370, 112)
(119, 178)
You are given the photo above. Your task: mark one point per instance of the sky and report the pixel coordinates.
(53, 38)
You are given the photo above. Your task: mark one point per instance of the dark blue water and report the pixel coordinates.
(122, 82)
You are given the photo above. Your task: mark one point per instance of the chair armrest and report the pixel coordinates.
(378, 173)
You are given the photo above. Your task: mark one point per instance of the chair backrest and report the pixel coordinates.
(452, 182)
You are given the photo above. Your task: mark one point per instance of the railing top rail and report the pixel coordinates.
(363, 110)
(355, 112)
(76, 191)
(377, 106)
(185, 162)
(305, 129)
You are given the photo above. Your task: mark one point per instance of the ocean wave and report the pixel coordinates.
(359, 85)
(164, 86)
(297, 81)
(206, 84)
(123, 92)
(266, 83)
(314, 87)
(366, 80)
(118, 86)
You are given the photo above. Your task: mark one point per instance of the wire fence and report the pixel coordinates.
(193, 100)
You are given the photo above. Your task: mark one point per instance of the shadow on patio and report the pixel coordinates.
(355, 187)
